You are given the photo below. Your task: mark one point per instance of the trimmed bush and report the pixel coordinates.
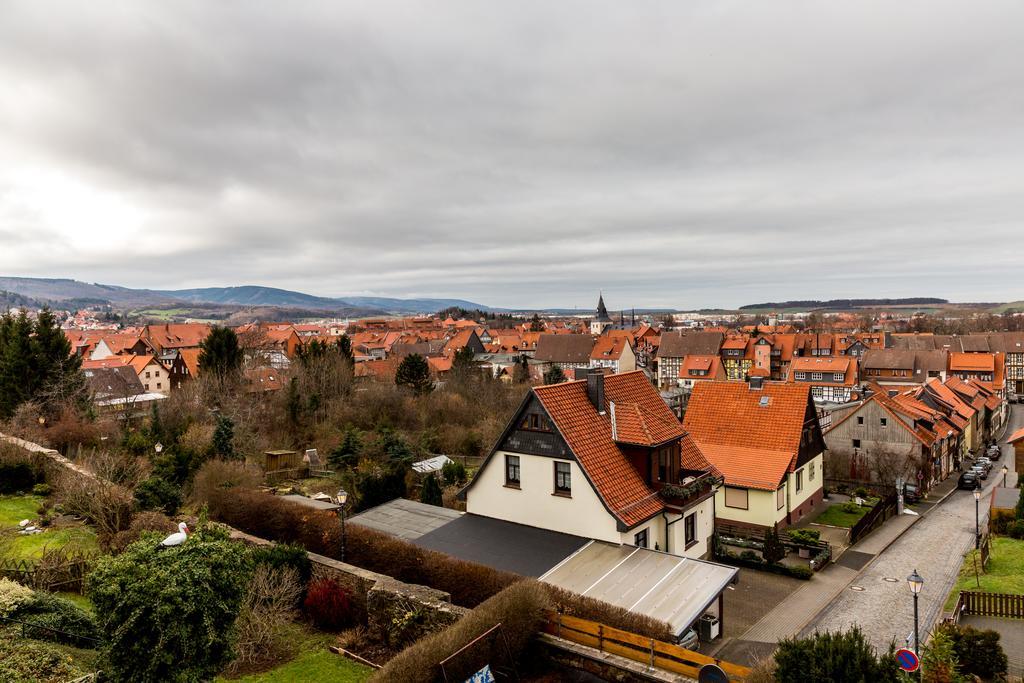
(42, 490)
(70, 624)
(329, 605)
(272, 518)
(16, 477)
(13, 596)
(284, 556)
(520, 611)
(750, 556)
(977, 652)
(168, 615)
(453, 473)
(575, 605)
(141, 523)
(840, 656)
(158, 494)
(1016, 529)
(804, 536)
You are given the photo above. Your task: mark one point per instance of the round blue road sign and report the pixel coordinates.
(711, 673)
(907, 659)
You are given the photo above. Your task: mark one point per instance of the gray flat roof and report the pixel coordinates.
(311, 502)
(502, 545)
(675, 590)
(406, 519)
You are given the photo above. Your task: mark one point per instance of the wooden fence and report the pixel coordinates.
(653, 653)
(875, 517)
(64, 576)
(992, 604)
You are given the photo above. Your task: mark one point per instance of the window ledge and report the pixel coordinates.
(690, 544)
(562, 494)
(513, 486)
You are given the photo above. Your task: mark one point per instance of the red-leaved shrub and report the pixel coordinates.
(328, 604)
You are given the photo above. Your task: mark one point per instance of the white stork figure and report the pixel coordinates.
(175, 539)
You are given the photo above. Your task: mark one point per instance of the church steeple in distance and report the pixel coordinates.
(602, 312)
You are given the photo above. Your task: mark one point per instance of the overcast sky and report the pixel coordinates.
(681, 154)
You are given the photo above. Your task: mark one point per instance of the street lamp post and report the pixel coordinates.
(916, 583)
(1004, 471)
(342, 499)
(977, 523)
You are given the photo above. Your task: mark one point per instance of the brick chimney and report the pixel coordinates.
(595, 388)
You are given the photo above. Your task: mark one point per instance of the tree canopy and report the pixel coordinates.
(220, 354)
(414, 372)
(168, 615)
(36, 364)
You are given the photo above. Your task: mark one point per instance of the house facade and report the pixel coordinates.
(832, 379)
(600, 458)
(764, 439)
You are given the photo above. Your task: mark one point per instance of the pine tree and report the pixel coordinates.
(345, 348)
(220, 355)
(224, 438)
(431, 492)
(773, 549)
(554, 375)
(17, 377)
(535, 324)
(938, 660)
(347, 452)
(521, 372)
(413, 372)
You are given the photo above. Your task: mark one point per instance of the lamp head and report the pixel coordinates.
(977, 494)
(342, 496)
(916, 582)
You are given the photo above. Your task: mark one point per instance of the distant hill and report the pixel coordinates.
(840, 304)
(57, 290)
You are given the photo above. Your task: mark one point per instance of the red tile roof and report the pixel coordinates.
(751, 437)
(973, 362)
(608, 348)
(590, 437)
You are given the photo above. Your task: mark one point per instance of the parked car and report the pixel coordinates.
(980, 471)
(984, 462)
(911, 494)
(994, 452)
(968, 481)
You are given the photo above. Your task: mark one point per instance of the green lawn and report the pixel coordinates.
(80, 600)
(1004, 573)
(314, 665)
(13, 509)
(835, 515)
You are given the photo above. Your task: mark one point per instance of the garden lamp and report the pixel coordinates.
(342, 499)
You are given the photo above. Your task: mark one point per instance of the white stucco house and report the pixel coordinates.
(600, 458)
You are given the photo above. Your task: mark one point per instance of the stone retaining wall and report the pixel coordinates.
(51, 460)
(394, 611)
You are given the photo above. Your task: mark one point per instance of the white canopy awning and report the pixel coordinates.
(672, 589)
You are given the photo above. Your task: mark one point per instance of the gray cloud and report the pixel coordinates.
(673, 154)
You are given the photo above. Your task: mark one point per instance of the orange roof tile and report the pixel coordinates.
(589, 436)
(732, 413)
(974, 362)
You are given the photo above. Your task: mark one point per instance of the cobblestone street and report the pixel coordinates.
(879, 600)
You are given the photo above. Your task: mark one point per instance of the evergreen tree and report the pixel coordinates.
(535, 324)
(431, 491)
(347, 452)
(224, 438)
(554, 375)
(773, 549)
(345, 348)
(17, 379)
(414, 372)
(293, 403)
(938, 660)
(834, 656)
(220, 355)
